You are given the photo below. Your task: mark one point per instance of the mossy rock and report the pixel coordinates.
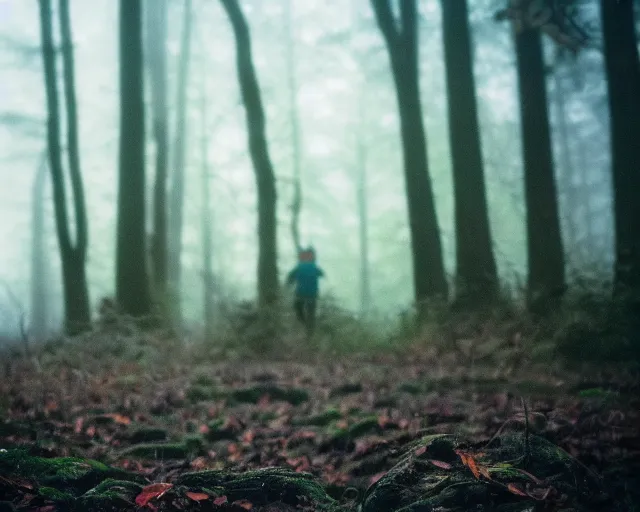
(431, 475)
(197, 394)
(203, 380)
(69, 475)
(191, 445)
(148, 435)
(264, 486)
(346, 389)
(411, 387)
(219, 432)
(253, 394)
(110, 495)
(319, 420)
(368, 425)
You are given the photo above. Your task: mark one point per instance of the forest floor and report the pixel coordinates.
(349, 423)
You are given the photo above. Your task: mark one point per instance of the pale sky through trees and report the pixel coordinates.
(329, 82)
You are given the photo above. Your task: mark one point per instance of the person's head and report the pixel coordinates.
(308, 254)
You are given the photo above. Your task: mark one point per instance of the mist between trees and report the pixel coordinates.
(173, 156)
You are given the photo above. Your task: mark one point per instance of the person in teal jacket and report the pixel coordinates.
(306, 275)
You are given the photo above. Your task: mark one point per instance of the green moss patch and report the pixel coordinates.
(69, 475)
(253, 394)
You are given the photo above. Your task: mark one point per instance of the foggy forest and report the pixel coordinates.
(359, 255)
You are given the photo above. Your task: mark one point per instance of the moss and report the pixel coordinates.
(319, 420)
(111, 484)
(147, 435)
(157, 451)
(416, 484)
(197, 394)
(365, 426)
(203, 380)
(72, 474)
(263, 486)
(413, 388)
(346, 389)
(54, 494)
(217, 432)
(253, 394)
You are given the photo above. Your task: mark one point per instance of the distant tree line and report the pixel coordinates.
(148, 272)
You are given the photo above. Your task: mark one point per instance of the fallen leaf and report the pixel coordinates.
(220, 500)
(513, 488)
(374, 478)
(420, 451)
(440, 464)
(197, 496)
(199, 463)
(471, 464)
(484, 471)
(247, 505)
(119, 418)
(248, 436)
(150, 492)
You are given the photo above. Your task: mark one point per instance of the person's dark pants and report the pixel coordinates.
(305, 308)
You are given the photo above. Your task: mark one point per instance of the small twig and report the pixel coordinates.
(527, 446)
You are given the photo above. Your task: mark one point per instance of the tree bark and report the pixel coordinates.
(259, 151)
(157, 65)
(39, 317)
(73, 256)
(623, 82)
(567, 170)
(207, 225)
(132, 285)
(546, 278)
(176, 210)
(401, 39)
(476, 274)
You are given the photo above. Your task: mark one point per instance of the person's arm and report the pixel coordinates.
(292, 276)
(320, 272)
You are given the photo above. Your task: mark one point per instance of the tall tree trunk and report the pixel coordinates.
(546, 279)
(296, 203)
(363, 231)
(156, 17)
(73, 256)
(401, 39)
(259, 151)
(623, 82)
(132, 285)
(207, 224)
(567, 168)
(39, 317)
(178, 176)
(476, 274)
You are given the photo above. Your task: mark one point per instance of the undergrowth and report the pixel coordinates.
(587, 329)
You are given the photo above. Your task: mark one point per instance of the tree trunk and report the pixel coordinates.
(363, 231)
(476, 274)
(207, 225)
(157, 65)
(296, 203)
(77, 311)
(623, 81)
(259, 151)
(39, 317)
(546, 279)
(178, 176)
(567, 170)
(132, 286)
(401, 39)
